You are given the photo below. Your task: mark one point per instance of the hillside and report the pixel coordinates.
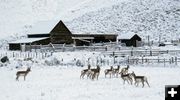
(18, 16)
(146, 17)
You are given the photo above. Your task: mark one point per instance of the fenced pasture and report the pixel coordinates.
(111, 54)
(108, 48)
(104, 59)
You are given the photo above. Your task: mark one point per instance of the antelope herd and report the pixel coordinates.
(93, 73)
(115, 72)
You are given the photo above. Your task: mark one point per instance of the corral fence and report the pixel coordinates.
(165, 61)
(71, 47)
(144, 57)
(103, 47)
(141, 52)
(14, 54)
(103, 59)
(110, 61)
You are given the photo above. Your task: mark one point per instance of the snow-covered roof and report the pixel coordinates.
(45, 27)
(27, 40)
(168, 43)
(126, 36)
(92, 33)
(82, 37)
(42, 27)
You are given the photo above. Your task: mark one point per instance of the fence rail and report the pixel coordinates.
(101, 60)
(171, 60)
(141, 52)
(39, 55)
(108, 49)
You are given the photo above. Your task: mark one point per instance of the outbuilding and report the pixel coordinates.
(130, 39)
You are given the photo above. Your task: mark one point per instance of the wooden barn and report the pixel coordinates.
(27, 43)
(56, 32)
(130, 39)
(88, 38)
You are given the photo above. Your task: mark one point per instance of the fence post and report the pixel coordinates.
(169, 61)
(106, 48)
(172, 59)
(74, 47)
(13, 55)
(101, 61)
(20, 55)
(45, 54)
(28, 54)
(96, 60)
(176, 60)
(108, 62)
(164, 62)
(36, 54)
(64, 47)
(41, 54)
(128, 59)
(132, 51)
(113, 54)
(25, 55)
(150, 52)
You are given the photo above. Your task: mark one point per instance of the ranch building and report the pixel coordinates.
(56, 32)
(130, 39)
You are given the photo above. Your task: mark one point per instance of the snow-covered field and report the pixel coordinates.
(64, 83)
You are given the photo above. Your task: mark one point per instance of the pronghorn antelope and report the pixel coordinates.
(125, 70)
(23, 73)
(109, 71)
(127, 77)
(141, 79)
(116, 71)
(95, 72)
(86, 72)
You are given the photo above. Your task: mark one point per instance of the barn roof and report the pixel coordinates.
(126, 36)
(43, 27)
(27, 40)
(82, 37)
(92, 33)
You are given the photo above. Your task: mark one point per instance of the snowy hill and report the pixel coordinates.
(18, 16)
(146, 17)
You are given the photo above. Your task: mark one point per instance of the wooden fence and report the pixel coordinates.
(142, 52)
(64, 47)
(39, 55)
(172, 61)
(168, 60)
(106, 49)
(101, 60)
